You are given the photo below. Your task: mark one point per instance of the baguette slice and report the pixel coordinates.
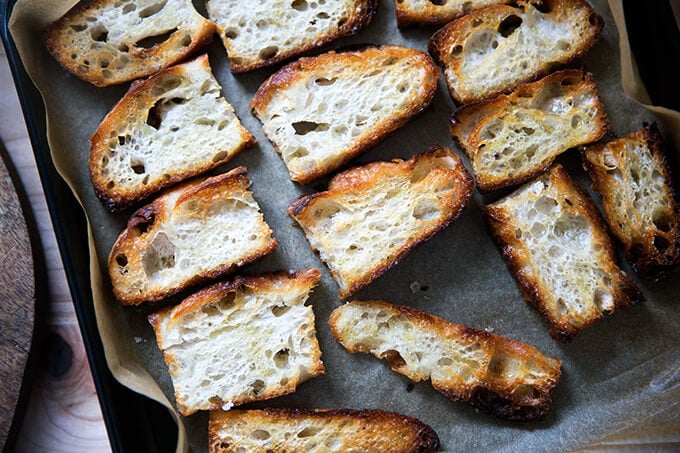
(493, 50)
(263, 33)
(495, 374)
(322, 112)
(633, 176)
(248, 340)
(515, 137)
(437, 12)
(166, 129)
(318, 430)
(106, 42)
(557, 248)
(194, 233)
(374, 215)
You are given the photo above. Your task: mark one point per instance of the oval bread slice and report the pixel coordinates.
(492, 373)
(321, 112)
(494, 49)
(318, 430)
(235, 342)
(106, 42)
(191, 234)
(374, 215)
(165, 129)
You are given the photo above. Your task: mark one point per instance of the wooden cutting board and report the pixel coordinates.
(17, 298)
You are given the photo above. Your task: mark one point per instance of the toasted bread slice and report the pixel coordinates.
(557, 248)
(167, 128)
(640, 204)
(515, 137)
(495, 374)
(322, 112)
(437, 12)
(374, 215)
(107, 42)
(194, 233)
(318, 430)
(259, 34)
(248, 340)
(493, 50)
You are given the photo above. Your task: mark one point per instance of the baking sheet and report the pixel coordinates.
(621, 373)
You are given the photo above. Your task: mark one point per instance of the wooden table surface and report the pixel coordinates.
(63, 413)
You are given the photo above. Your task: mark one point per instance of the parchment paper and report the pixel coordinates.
(622, 373)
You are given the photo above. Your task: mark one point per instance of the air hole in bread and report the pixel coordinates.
(278, 310)
(439, 2)
(281, 358)
(138, 168)
(425, 210)
(661, 243)
(323, 15)
(268, 52)
(509, 25)
(504, 365)
(342, 22)
(575, 121)
(308, 432)
(561, 307)
(403, 86)
(661, 220)
(129, 7)
(300, 5)
(153, 118)
(323, 81)
(78, 27)
(563, 45)
(99, 33)
(159, 255)
(393, 358)
(603, 300)
(257, 386)
(305, 127)
(186, 41)
(445, 361)
(260, 434)
(543, 6)
(231, 33)
(152, 9)
(154, 40)
(121, 260)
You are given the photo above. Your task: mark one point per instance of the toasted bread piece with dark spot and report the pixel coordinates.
(194, 233)
(107, 42)
(492, 50)
(374, 215)
(259, 34)
(556, 246)
(639, 201)
(492, 373)
(321, 112)
(318, 430)
(515, 137)
(165, 129)
(235, 342)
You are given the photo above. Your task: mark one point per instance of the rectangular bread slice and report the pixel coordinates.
(191, 234)
(165, 129)
(322, 112)
(515, 137)
(494, 49)
(639, 201)
(107, 42)
(263, 33)
(248, 340)
(437, 12)
(495, 374)
(318, 430)
(557, 248)
(374, 215)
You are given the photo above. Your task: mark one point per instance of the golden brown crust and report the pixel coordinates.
(454, 33)
(131, 242)
(370, 429)
(431, 13)
(365, 11)
(491, 390)
(364, 179)
(139, 98)
(354, 60)
(652, 246)
(518, 259)
(466, 122)
(145, 61)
